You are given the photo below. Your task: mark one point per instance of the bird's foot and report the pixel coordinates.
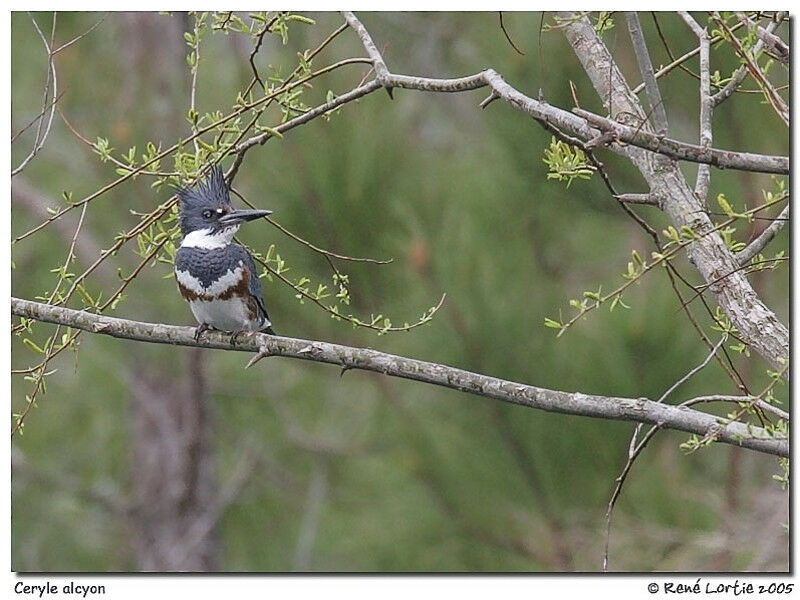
(202, 328)
(235, 335)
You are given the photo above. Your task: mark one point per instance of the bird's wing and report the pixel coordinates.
(255, 282)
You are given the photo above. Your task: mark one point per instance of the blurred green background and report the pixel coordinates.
(313, 471)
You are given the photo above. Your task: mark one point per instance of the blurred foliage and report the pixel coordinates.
(416, 478)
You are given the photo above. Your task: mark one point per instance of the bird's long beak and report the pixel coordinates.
(242, 216)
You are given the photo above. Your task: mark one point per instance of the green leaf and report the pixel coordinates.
(301, 19)
(30, 344)
(552, 324)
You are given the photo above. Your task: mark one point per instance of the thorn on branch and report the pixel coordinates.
(389, 91)
(574, 93)
(491, 98)
(263, 352)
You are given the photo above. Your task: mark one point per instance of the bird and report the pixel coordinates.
(215, 275)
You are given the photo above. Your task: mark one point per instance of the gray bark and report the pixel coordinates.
(757, 324)
(346, 357)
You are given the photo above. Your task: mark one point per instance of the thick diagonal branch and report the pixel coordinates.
(639, 410)
(757, 324)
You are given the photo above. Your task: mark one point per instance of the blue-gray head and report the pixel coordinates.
(206, 207)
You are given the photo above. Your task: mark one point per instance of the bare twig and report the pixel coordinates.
(193, 85)
(745, 255)
(703, 171)
(646, 69)
(635, 449)
(508, 37)
(78, 38)
(677, 62)
(755, 400)
(252, 58)
(241, 149)
(695, 370)
(41, 135)
(309, 245)
(706, 133)
(37, 117)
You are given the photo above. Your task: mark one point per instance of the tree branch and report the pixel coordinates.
(703, 172)
(381, 71)
(622, 409)
(758, 325)
(775, 44)
(41, 136)
(745, 255)
(648, 76)
(751, 63)
(741, 72)
(724, 159)
(580, 126)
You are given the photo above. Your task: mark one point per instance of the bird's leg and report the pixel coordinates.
(203, 327)
(235, 335)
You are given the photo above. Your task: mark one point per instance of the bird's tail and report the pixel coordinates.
(268, 329)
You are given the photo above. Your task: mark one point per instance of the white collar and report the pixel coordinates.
(208, 239)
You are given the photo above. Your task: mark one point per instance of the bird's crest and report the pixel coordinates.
(211, 193)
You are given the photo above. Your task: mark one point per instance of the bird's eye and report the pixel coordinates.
(207, 214)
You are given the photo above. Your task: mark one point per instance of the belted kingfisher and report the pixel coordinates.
(215, 275)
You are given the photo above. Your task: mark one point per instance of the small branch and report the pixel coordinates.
(244, 146)
(703, 181)
(622, 409)
(193, 86)
(381, 72)
(310, 246)
(693, 25)
(41, 136)
(703, 171)
(695, 370)
(775, 100)
(745, 255)
(37, 117)
(78, 38)
(724, 159)
(633, 454)
(741, 73)
(648, 76)
(635, 449)
(740, 400)
(776, 45)
(677, 62)
(508, 37)
(252, 59)
(650, 199)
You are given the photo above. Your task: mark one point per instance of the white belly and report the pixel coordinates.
(225, 315)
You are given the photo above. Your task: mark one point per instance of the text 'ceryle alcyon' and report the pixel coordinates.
(215, 275)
